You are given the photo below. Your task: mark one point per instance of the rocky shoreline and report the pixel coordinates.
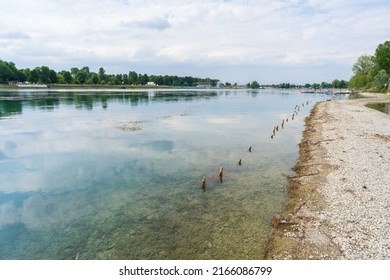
(339, 205)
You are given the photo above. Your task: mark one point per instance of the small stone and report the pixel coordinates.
(162, 254)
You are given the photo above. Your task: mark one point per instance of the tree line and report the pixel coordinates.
(324, 85)
(373, 71)
(83, 76)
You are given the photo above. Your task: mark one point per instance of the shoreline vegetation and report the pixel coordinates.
(99, 86)
(161, 87)
(338, 200)
(42, 76)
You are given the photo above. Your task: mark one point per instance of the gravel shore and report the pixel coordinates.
(339, 206)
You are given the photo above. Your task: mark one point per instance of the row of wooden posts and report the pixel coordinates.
(275, 129)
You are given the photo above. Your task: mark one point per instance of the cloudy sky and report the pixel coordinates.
(276, 41)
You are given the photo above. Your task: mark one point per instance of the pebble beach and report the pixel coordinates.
(339, 205)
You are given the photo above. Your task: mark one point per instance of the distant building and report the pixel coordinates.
(204, 85)
(151, 84)
(28, 85)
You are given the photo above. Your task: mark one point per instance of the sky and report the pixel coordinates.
(270, 41)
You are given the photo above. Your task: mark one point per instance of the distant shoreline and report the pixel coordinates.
(76, 86)
(337, 207)
(109, 87)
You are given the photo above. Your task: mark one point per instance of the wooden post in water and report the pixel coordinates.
(221, 174)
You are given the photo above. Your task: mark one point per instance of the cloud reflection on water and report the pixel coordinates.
(73, 170)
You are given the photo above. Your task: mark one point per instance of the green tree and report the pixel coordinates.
(343, 84)
(66, 77)
(81, 77)
(382, 56)
(381, 79)
(34, 75)
(176, 81)
(133, 78)
(16, 74)
(113, 80)
(359, 80)
(27, 73)
(125, 79)
(102, 75)
(254, 85)
(6, 73)
(53, 76)
(44, 75)
(364, 71)
(158, 80)
(9, 72)
(363, 64)
(94, 79)
(315, 86)
(87, 73)
(143, 79)
(119, 78)
(74, 71)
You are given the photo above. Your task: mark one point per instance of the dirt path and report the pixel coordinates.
(339, 206)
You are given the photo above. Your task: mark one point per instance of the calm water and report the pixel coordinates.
(117, 175)
(383, 107)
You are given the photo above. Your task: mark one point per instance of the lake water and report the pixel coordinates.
(382, 107)
(118, 174)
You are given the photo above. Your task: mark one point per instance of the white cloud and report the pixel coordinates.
(200, 35)
(14, 35)
(151, 23)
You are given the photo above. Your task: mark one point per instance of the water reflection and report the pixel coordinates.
(10, 107)
(12, 102)
(158, 145)
(120, 175)
(382, 107)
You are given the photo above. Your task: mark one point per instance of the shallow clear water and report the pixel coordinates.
(118, 175)
(382, 107)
